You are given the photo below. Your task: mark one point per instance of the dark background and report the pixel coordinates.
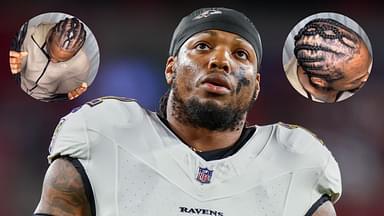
(134, 38)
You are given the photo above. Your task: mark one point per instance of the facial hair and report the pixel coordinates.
(208, 115)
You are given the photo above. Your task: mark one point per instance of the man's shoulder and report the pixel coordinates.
(106, 101)
(40, 32)
(298, 142)
(292, 133)
(110, 109)
(97, 120)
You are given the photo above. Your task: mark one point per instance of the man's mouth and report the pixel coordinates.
(217, 84)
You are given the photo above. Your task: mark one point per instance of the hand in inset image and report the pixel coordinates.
(77, 91)
(49, 59)
(15, 61)
(331, 61)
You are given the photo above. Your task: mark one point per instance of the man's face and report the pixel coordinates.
(217, 69)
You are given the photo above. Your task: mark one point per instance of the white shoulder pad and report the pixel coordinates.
(70, 137)
(113, 111)
(100, 116)
(297, 139)
(300, 141)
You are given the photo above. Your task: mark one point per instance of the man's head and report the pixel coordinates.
(213, 68)
(65, 39)
(332, 55)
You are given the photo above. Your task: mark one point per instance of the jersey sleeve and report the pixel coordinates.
(330, 180)
(78, 134)
(305, 144)
(70, 138)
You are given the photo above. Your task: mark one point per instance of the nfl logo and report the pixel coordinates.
(204, 175)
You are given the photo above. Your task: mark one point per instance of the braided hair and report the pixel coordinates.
(68, 35)
(321, 56)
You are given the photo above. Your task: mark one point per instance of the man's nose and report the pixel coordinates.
(220, 60)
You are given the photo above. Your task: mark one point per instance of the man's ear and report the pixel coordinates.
(170, 69)
(319, 82)
(257, 86)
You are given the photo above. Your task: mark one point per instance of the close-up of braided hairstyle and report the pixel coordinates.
(68, 35)
(322, 46)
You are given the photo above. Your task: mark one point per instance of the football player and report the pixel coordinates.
(196, 156)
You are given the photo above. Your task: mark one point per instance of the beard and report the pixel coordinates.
(208, 115)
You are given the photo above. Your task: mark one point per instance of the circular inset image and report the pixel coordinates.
(54, 57)
(327, 57)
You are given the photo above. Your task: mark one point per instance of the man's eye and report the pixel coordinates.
(202, 46)
(242, 54)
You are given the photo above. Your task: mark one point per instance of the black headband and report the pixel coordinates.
(224, 19)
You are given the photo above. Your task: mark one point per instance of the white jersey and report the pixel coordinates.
(138, 167)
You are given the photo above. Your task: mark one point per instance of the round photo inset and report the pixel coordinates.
(54, 57)
(327, 57)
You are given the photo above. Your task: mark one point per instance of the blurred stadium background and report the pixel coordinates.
(134, 38)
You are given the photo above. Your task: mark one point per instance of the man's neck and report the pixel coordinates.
(202, 139)
(318, 93)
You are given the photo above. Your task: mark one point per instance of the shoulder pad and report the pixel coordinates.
(99, 100)
(296, 138)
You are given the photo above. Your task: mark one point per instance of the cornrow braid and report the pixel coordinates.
(327, 77)
(315, 48)
(69, 34)
(320, 57)
(321, 25)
